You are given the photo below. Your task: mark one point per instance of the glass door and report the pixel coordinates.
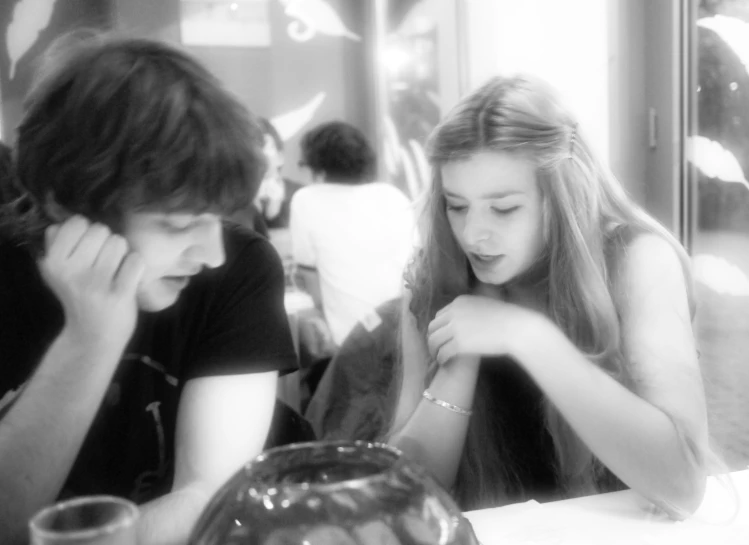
(717, 211)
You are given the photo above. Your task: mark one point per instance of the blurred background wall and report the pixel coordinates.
(324, 77)
(393, 68)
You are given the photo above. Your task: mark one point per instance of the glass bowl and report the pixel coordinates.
(333, 493)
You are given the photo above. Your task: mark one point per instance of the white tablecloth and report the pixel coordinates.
(620, 518)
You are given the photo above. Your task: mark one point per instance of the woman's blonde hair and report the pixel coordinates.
(589, 220)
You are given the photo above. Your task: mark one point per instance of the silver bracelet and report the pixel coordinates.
(445, 405)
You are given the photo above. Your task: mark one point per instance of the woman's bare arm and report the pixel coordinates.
(432, 435)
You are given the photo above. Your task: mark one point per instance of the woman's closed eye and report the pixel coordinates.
(461, 208)
(504, 211)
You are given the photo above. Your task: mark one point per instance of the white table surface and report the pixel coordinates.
(619, 518)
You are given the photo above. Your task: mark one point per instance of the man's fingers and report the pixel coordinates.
(66, 237)
(130, 273)
(110, 258)
(90, 244)
(50, 234)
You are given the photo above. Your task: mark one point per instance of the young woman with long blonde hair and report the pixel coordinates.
(547, 342)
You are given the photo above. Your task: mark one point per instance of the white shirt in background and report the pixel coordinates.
(359, 238)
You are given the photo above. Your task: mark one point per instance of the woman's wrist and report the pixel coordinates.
(454, 384)
(464, 411)
(462, 366)
(534, 340)
(547, 343)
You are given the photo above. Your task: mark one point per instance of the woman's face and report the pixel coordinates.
(494, 206)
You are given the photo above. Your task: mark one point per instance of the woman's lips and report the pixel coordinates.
(485, 261)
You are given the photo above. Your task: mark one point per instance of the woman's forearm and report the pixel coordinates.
(434, 436)
(636, 440)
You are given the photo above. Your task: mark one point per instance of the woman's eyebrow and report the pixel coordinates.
(492, 195)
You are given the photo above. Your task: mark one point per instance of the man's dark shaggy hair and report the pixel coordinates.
(118, 125)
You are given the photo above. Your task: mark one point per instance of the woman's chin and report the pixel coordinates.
(494, 278)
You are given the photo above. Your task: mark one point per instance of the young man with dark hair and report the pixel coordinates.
(140, 338)
(340, 152)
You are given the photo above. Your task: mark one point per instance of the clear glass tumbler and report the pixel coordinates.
(88, 520)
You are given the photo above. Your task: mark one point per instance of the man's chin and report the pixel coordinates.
(148, 302)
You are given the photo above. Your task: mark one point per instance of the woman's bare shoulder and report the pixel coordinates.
(650, 262)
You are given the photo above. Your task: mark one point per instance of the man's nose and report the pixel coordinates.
(208, 246)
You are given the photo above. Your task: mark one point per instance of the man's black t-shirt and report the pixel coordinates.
(229, 320)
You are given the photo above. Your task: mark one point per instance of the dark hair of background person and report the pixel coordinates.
(116, 125)
(339, 151)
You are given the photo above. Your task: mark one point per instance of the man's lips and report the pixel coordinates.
(189, 273)
(177, 279)
(182, 279)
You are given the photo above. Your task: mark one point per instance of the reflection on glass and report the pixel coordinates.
(409, 55)
(333, 493)
(310, 17)
(232, 23)
(719, 153)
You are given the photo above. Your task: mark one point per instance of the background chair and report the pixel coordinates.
(356, 395)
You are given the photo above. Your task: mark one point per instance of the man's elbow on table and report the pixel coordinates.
(15, 512)
(12, 532)
(169, 520)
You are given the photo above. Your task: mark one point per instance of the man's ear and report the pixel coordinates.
(54, 210)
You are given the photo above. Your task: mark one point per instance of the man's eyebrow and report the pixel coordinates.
(493, 195)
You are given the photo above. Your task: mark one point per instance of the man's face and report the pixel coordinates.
(174, 248)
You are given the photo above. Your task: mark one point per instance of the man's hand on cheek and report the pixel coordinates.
(95, 277)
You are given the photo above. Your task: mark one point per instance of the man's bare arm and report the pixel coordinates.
(94, 277)
(223, 422)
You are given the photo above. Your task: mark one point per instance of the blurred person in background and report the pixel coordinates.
(352, 234)
(141, 339)
(274, 195)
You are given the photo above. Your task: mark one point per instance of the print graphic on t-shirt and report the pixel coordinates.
(153, 364)
(146, 480)
(6, 402)
(156, 470)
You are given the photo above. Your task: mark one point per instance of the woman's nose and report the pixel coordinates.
(476, 229)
